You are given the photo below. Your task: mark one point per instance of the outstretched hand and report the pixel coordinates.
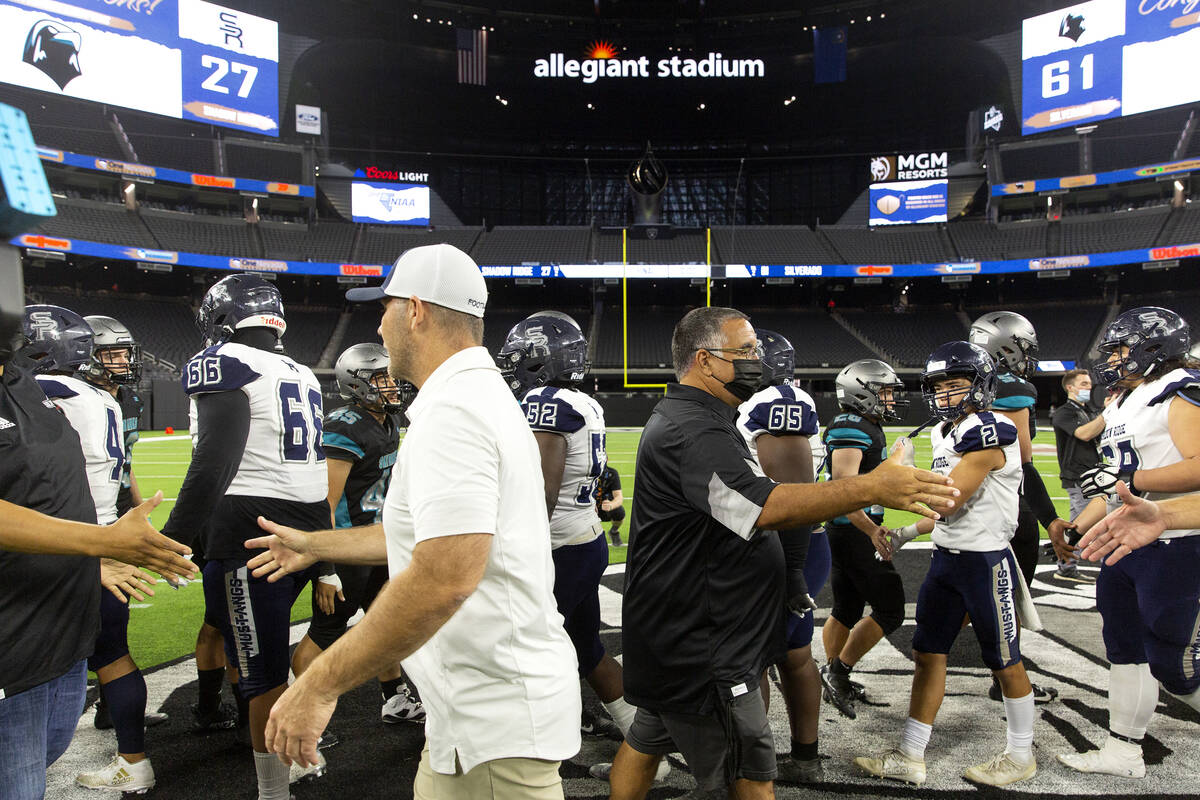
(909, 489)
(133, 540)
(285, 550)
(1136, 523)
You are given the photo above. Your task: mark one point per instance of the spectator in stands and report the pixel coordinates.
(706, 567)
(1075, 432)
(610, 503)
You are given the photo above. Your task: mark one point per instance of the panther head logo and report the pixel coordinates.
(1071, 27)
(53, 48)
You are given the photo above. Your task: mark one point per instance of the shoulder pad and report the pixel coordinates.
(546, 411)
(1184, 382)
(982, 431)
(848, 430)
(213, 371)
(55, 388)
(788, 413)
(1013, 393)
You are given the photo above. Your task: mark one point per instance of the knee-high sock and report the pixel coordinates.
(272, 776)
(1019, 711)
(126, 699)
(1132, 696)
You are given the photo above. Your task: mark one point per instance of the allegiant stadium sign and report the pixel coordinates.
(590, 70)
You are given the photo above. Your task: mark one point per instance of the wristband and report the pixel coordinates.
(332, 580)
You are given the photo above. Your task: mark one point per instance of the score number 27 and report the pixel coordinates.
(1056, 76)
(220, 68)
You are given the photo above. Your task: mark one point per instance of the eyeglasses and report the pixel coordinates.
(749, 351)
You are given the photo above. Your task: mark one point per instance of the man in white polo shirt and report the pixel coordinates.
(469, 607)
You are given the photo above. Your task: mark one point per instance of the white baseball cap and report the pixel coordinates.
(437, 273)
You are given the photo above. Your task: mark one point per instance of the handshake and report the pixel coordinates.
(888, 540)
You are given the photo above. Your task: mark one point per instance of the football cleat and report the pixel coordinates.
(839, 691)
(121, 775)
(601, 771)
(221, 718)
(1122, 759)
(328, 739)
(791, 770)
(592, 724)
(1001, 771)
(895, 766)
(403, 707)
(297, 773)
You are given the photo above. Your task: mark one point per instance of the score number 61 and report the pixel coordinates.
(1056, 76)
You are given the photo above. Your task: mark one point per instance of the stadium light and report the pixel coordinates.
(701, 106)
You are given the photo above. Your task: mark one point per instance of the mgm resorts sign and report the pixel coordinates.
(909, 167)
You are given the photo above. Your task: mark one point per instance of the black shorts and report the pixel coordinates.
(360, 585)
(616, 515)
(731, 743)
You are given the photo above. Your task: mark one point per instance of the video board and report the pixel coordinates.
(389, 203)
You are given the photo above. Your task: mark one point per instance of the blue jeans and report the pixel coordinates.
(35, 728)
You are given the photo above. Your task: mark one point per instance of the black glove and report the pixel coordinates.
(795, 554)
(799, 601)
(1101, 481)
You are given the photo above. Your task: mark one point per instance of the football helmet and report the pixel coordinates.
(56, 339)
(959, 360)
(859, 385)
(1009, 339)
(112, 335)
(240, 301)
(1151, 333)
(362, 374)
(779, 358)
(542, 349)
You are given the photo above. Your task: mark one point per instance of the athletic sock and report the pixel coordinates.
(915, 739)
(839, 667)
(622, 714)
(243, 705)
(802, 751)
(391, 688)
(210, 682)
(1019, 711)
(272, 776)
(126, 700)
(1132, 696)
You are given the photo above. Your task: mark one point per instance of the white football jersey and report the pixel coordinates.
(782, 411)
(96, 417)
(988, 520)
(1135, 431)
(580, 419)
(283, 457)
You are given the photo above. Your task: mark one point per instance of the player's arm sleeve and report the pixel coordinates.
(1034, 489)
(721, 479)
(456, 488)
(224, 423)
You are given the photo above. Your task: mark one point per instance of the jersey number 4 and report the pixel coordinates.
(302, 423)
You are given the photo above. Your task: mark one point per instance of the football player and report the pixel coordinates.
(258, 452)
(1148, 600)
(360, 442)
(868, 395)
(973, 571)
(543, 360)
(1012, 343)
(61, 342)
(778, 423)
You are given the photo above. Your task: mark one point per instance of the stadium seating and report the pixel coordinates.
(518, 245)
(222, 236)
(166, 142)
(818, 338)
(978, 240)
(909, 337)
(887, 246)
(649, 347)
(1097, 233)
(1065, 331)
(326, 241)
(265, 163)
(383, 244)
(686, 246)
(308, 332)
(770, 244)
(1183, 227)
(1137, 140)
(65, 123)
(98, 222)
(1186, 304)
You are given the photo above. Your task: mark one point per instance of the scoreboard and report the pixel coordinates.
(1108, 58)
(187, 59)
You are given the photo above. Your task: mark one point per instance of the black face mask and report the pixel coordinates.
(747, 375)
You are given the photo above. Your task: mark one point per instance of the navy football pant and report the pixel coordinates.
(578, 569)
(1149, 603)
(976, 583)
(257, 623)
(816, 572)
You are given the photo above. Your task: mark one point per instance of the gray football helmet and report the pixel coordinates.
(1009, 339)
(859, 386)
(360, 370)
(112, 335)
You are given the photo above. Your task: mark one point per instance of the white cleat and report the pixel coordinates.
(121, 775)
(602, 771)
(1001, 771)
(403, 707)
(893, 765)
(1122, 759)
(297, 773)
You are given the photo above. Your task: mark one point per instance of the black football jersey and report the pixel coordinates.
(131, 410)
(851, 430)
(352, 434)
(1013, 394)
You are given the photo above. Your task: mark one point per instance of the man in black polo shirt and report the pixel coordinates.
(1075, 431)
(704, 600)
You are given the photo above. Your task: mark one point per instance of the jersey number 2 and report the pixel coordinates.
(302, 423)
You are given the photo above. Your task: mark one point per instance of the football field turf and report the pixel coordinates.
(164, 628)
